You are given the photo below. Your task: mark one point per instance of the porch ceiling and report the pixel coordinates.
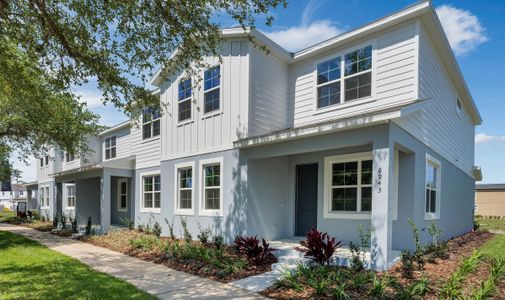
(351, 121)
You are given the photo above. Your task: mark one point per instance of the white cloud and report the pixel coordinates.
(299, 37)
(484, 138)
(463, 29)
(92, 98)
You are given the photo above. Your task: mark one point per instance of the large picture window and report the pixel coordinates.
(354, 78)
(432, 188)
(151, 119)
(348, 184)
(184, 188)
(212, 80)
(110, 147)
(184, 105)
(70, 196)
(151, 192)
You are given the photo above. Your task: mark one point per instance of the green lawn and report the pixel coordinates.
(6, 215)
(29, 270)
(491, 224)
(495, 247)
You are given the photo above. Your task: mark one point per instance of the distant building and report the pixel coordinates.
(490, 200)
(15, 195)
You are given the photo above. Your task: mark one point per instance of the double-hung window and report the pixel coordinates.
(351, 73)
(328, 83)
(211, 184)
(150, 123)
(212, 80)
(47, 160)
(348, 184)
(151, 192)
(432, 200)
(41, 162)
(70, 196)
(184, 190)
(110, 147)
(69, 157)
(358, 74)
(184, 105)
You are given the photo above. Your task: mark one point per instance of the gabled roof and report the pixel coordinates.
(422, 10)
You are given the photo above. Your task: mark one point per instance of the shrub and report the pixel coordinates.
(88, 226)
(437, 248)
(218, 241)
(185, 232)
(407, 266)
(128, 223)
(55, 222)
(319, 247)
(145, 243)
(250, 246)
(74, 225)
(170, 229)
(204, 235)
(357, 252)
(380, 285)
(156, 229)
(413, 291)
(419, 251)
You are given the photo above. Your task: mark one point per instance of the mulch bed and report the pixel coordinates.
(119, 241)
(437, 273)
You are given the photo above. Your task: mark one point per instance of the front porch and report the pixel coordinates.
(336, 182)
(100, 193)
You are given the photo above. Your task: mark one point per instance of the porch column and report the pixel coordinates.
(58, 189)
(382, 207)
(105, 183)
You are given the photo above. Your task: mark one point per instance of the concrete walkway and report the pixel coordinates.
(155, 279)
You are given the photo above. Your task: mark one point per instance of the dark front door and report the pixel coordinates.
(306, 198)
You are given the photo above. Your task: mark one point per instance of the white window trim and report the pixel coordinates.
(119, 208)
(342, 78)
(151, 123)
(65, 190)
(433, 216)
(220, 110)
(115, 145)
(148, 209)
(178, 211)
(328, 162)
(44, 197)
(210, 212)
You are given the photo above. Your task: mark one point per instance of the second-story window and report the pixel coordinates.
(110, 147)
(328, 83)
(351, 74)
(150, 123)
(358, 74)
(69, 157)
(47, 160)
(212, 80)
(184, 105)
(41, 162)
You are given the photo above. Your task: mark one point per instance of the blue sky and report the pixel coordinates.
(475, 32)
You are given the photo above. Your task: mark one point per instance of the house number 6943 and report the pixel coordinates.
(379, 180)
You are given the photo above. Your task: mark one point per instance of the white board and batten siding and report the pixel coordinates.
(123, 143)
(268, 109)
(394, 76)
(440, 126)
(217, 130)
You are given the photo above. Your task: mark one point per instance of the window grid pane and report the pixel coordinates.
(211, 101)
(184, 110)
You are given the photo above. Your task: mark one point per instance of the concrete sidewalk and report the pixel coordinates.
(155, 279)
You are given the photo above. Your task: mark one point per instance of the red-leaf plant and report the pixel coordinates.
(250, 246)
(319, 247)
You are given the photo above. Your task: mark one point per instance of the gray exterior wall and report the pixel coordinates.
(87, 204)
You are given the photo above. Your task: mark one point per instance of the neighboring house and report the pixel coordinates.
(490, 200)
(11, 199)
(375, 126)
